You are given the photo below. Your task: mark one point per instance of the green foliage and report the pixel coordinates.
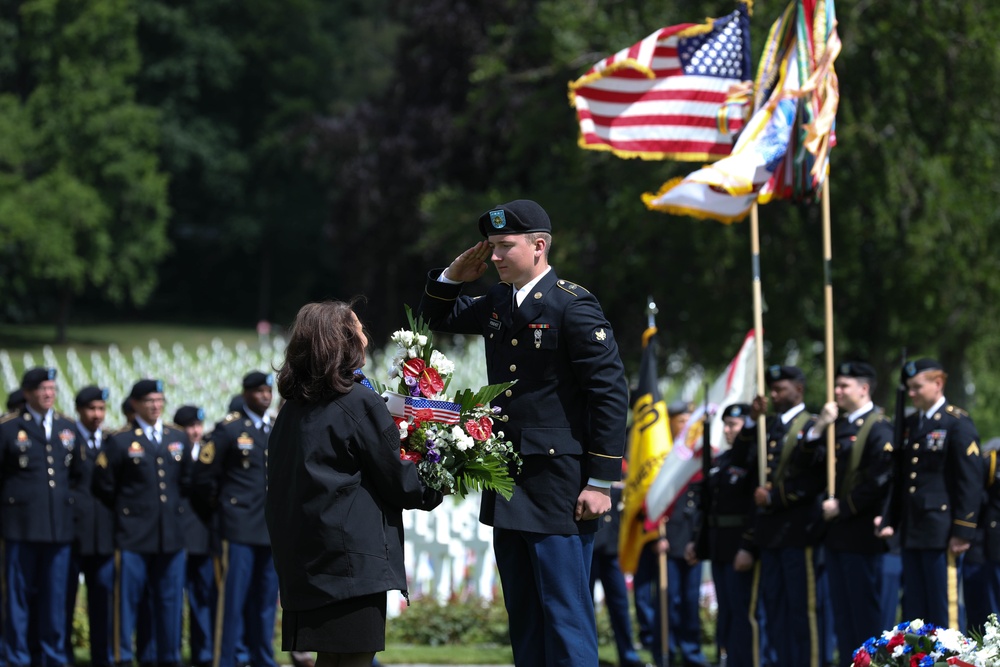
(469, 399)
(460, 621)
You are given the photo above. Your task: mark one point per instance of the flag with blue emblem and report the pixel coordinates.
(783, 151)
(426, 409)
(679, 94)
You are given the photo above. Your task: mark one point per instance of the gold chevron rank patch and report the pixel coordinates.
(972, 449)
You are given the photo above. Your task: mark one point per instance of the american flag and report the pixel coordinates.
(427, 409)
(679, 94)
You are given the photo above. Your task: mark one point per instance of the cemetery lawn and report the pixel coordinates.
(17, 338)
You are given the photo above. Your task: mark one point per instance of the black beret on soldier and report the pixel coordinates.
(15, 400)
(521, 216)
(741, 410)
(257, 379)
(35, 376)
(144, 388)
(912, 368)
(89, 394)
(188, 414)
(793, 373)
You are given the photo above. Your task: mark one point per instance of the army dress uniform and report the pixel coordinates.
(731, 482)
(36, 515)
(230, 474)
(981, 569)
(93, 552)
(143, 481)
(787, 534)
(864, 454)
(937, 496)
(566, 418)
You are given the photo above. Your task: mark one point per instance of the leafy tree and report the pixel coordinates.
(82, 199)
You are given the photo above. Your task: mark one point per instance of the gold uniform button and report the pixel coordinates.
(514, 342)
(49, 459)
(770, 457)
(491, 335)
(513, 367)
(913, 489)
(48, 448)
(159, 459)
(508, 393)
(914, 459)
(163, 485)
(552, 452)
(161, 473)
(607, 518)
(125, 511)
(993, 524)
(916, 445)
(233, 501)
(768, 470)
(944, 508)
(52, 483)
(913, 475)
(52, 471)
(163, 498)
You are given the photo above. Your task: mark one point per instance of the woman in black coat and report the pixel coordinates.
(336, 491)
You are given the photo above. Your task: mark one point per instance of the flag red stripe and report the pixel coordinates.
(658, 119)
(663, 146)
(622, 97)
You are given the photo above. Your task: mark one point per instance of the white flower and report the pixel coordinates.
(951, 640)
(421, 340)
(916, 624)
(403, 337)
(404, 430)
(441, 363)
(412, 352)
(898, 651)
(461, 439)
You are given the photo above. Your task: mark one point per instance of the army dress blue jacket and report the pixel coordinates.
(566, 415)
(731, 481)
(938, 489)
(36, 475)
(143, 483)
(231, 477)
(94, 522)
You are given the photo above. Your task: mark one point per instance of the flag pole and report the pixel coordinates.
(758, 332)
(664, 606)
(831, 460)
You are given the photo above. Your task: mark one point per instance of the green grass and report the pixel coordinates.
(32, 338)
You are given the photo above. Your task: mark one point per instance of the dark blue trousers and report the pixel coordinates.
(981, 582)
(35, 578)
(683, 589)
(855, 597)
(930, 586)
(199, 583)
(793, 605)
(646, 590)
(162, 575)
(606, 568)
(734, 632)
(891, 583)
(249, 601)
(546, 587)
(99, 573)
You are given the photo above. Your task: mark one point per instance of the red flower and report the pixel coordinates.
(415, 457)
(861, 658)
(487, 425)
(423, 415)
(430, 382)
(916, 658)
(896, 640)
(413, 367)
(476, 430)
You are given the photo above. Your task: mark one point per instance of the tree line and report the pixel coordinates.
(226, 162)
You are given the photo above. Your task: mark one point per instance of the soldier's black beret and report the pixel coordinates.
(679, 408)
(236, 403)
(256, 379)
(856, 369)
(35, 376)
(127, 408)
(919, 366)
(521, 216)
(188, 414)
(793, 373)
(15, 399)
(736, 410)
(143, 388)
(89, 394)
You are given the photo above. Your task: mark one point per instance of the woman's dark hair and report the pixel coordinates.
(324, 349)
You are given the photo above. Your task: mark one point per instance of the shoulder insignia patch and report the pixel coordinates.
(958, 412)
(887, 447)
(102, 460)
(601, 334)
(231, 417)
(172, 425)
(124, 428)
(572, 288)
(207, 453)
(7, 417)
(972, 449)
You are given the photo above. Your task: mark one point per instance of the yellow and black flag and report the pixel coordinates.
(649, 444)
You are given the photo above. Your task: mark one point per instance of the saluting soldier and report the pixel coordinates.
(93, 544)
(231, 474)
(864, 462)
(787, 527)
(935, 506)
(731, 483)
(566, 418)
(199, 570)
(142, 472)
(38, 463)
